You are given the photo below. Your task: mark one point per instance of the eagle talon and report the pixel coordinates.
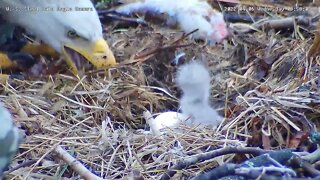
(40, 49)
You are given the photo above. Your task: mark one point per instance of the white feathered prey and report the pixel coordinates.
(194, 81)
(189, 14)
(71, 27)
(9, 139)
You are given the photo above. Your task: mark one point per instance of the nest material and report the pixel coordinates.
(265, 87)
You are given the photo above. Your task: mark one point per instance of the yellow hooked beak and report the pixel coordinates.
(97, 53)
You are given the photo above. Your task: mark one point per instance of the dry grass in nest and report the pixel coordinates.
(99, 119)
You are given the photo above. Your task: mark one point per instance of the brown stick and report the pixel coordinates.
(172, 45)
(75, 164)
(188, 161)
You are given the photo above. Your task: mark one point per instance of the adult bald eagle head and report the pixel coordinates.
(71, 27)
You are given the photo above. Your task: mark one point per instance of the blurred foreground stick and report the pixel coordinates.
(190, 160)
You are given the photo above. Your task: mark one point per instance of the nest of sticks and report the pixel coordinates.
(263, 84)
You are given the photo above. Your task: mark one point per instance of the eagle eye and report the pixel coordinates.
(73, 34)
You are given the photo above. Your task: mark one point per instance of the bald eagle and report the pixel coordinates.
(70, 27)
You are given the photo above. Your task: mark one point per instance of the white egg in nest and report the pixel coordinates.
(165, 120)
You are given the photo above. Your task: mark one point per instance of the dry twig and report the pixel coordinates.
(75, 164)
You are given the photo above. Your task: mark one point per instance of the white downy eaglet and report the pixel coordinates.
(194, 80)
